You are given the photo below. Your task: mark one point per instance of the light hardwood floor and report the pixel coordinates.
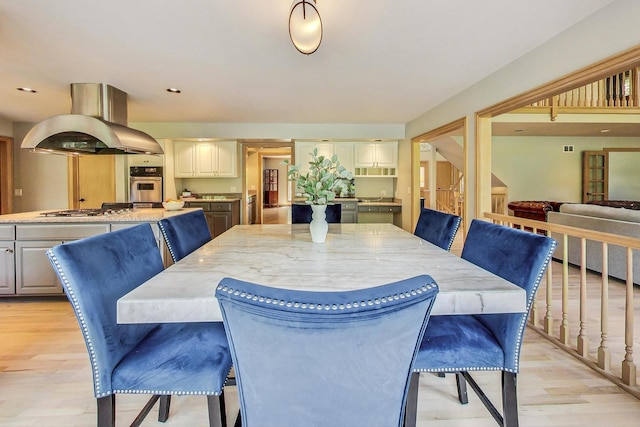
(279, 215)
(45, 380)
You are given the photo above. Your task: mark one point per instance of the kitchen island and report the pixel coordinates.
(25, 237)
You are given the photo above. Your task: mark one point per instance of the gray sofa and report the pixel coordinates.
(607, 219)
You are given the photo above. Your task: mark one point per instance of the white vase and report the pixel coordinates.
(318, 225)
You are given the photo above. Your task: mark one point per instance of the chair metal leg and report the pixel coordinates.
(462, 388)
(411, 406)
(217, 411)
(165, 402)
(510, 399)
(107, 411)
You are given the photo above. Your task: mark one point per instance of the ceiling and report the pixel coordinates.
(380, 61)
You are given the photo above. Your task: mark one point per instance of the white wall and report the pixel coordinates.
(587, 42)
(536, 168)
(624, 175)
(6, 128)
(372, 187)
(42, 177)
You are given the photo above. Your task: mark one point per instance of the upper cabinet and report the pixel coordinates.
(344, 150)
(212, 159)
(361, 158)
(376, 159)
(304, 149)
(145, 160)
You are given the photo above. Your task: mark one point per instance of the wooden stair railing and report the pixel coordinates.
(609, 335)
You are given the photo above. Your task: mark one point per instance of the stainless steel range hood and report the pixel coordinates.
(97, 125)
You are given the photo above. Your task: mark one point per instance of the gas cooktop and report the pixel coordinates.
(87, 212)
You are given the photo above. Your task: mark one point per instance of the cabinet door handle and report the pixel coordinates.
(9, 250)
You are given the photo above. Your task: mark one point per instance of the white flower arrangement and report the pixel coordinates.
(325, 178)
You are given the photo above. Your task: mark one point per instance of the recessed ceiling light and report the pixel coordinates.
(26, 89)
(604, 130)
(174, 90)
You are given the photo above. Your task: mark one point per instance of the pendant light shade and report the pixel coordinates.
(305, 26)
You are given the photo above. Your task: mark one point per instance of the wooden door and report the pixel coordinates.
(91, 181)
(595, 176)
(6, 175)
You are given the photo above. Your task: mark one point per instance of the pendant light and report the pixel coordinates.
(305, 26)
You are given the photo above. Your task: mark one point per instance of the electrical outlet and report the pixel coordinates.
(233, 189)
(409, 190)
(18, 192)
(383, 193)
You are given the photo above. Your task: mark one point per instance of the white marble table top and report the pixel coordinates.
(354, 256)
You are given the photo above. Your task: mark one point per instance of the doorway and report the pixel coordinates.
(91, 181)
(6, 175)
(258, 156)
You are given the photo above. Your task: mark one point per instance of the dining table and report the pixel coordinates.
(354, 256)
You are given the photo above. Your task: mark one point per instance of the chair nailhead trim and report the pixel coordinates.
(166, 241)
(92, 355)
(83, 327)
(327, 307)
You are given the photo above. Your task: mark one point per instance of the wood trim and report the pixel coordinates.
(441, 131)
(577, 110)
(483, 166)
(6, 177)
(73, 176)
(625, 60)
(621, 149)
(598, 236)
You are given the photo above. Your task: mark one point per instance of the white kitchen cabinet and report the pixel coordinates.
(344, 150)
(145, 160)
(7, 260)
(7, 268)
(184, 159)
(376, 155)
(216, 159)
(376, 159)
(304, 150)
(34, 272)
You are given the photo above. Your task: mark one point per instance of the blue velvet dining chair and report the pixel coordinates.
(486, 342)
(184, 233)
(160, 360)
(305, 358)
(437, 227)
(302, 213)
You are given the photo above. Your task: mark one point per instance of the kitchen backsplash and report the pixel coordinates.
(374, 187)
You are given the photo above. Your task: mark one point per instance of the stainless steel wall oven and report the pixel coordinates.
(145, 184)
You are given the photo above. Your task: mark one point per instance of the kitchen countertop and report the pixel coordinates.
(137, 215)
(227, 199)
(365, 202)
(378, 203)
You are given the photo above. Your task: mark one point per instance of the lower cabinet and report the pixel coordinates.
(349, 212)
(220, 216)
(252, 210)
(378, 214)
(34, 272)
(7, 268)
(24, 266)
